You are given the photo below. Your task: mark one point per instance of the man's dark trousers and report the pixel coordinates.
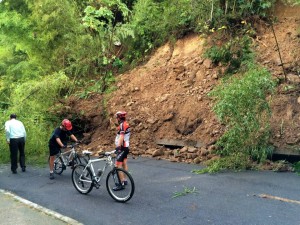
(17, 144)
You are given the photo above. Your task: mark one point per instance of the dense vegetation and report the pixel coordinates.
(50, 49)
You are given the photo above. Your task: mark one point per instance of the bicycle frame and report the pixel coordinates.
(108, 162)
(69, 157)
(65, 157)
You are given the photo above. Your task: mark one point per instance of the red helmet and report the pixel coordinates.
(121, 114)
(67, 124)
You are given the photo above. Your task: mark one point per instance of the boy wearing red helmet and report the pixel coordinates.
(58, 140)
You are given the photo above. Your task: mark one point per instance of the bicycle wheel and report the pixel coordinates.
(82, 179)
(113, 180)
(59, 166)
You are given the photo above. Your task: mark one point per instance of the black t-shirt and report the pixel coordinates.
(59, 133)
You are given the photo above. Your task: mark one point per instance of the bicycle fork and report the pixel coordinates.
(116, 177)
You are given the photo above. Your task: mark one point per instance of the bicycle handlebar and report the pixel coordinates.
(86, 152)
(73, 145)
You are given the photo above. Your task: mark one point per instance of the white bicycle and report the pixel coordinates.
(84, 177)
(68, 158)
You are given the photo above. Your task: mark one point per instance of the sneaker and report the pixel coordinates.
(118, 187)
(51, 176)
(14, 171)
(23, 169)
(125, 182)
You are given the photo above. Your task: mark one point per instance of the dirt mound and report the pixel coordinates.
(166, 98)
(285, 103)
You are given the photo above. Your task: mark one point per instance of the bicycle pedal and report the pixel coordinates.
(97, 186)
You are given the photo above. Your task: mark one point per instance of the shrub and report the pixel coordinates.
(233, 53)
(242, 106)
(236, 162)
(297, 167)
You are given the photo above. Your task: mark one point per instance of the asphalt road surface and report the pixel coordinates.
(167, 193)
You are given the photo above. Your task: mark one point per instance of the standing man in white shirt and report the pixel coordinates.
(16, 137)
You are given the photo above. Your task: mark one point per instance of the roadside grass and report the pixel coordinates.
(297, 168)
(185, 192)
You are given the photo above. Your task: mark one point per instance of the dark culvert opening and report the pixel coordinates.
(81, 126)
(288, 158)
(173, 147)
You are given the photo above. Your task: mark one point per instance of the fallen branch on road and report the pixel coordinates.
(278, 198)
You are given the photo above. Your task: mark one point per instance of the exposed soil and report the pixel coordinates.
(166, 98)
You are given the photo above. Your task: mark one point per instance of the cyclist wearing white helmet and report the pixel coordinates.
(122, 145)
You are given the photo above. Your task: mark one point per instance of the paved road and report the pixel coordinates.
(220, 199)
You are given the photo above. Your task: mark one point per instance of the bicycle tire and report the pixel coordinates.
(58, 165)
(80, 159)
(76, 160)
(113, 179)
(82, 180)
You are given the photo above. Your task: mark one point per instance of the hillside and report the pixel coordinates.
(166, 98)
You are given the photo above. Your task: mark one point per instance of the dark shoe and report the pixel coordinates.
(118, 187)
(23, 169)
(125, 182)
(14, 171)
(51, 176)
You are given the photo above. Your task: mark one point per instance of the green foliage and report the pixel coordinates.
(15, 39)
(48, 45)
(233, 53)
(258, 7)
(31, 102)
(244, 8)
(236, 162)
(155, 22)
(242, 106)
(97, 86)
(109, 34)
(185, 192)
(261, 153)
(297, 168)
(146, 28)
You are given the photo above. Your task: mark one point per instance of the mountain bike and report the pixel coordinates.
(68, 158)
(84, 177)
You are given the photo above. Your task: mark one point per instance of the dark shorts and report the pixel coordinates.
(54, 150)
(122, 154)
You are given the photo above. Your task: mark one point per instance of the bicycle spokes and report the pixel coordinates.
(120, 189)
(82, 180)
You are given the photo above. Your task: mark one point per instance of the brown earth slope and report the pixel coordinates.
(166, 98)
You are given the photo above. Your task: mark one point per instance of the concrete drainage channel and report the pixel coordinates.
(32, 206)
